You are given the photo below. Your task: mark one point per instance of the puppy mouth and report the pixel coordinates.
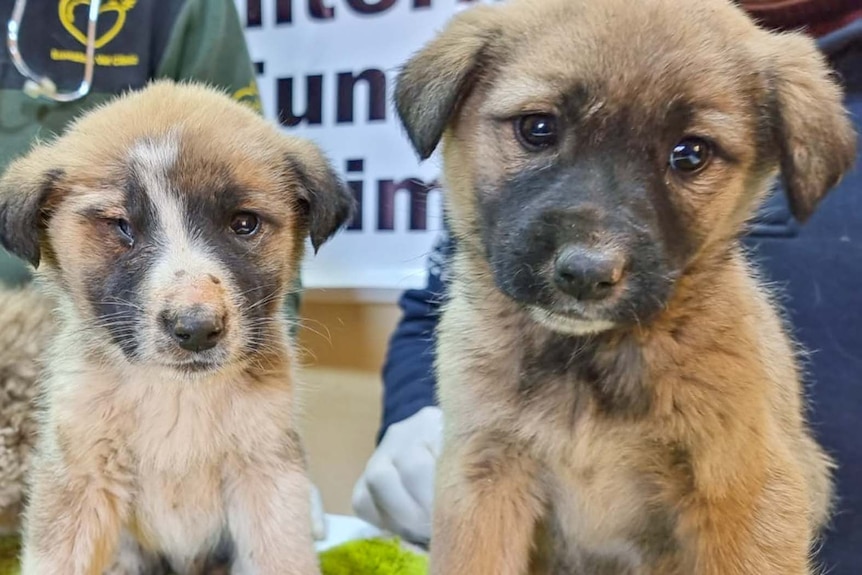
(570, 321)
(196, 366)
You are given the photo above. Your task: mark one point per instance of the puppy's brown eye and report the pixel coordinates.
(537, 131)
(245, 224)
(691, 155)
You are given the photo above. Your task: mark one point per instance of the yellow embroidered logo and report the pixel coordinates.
(249, 95)
(116, 9)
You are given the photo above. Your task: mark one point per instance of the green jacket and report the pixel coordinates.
(137, 41)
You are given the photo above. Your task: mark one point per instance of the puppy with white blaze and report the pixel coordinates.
(168, 227)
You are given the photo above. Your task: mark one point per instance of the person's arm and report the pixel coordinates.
(207, 44)
(408, 372)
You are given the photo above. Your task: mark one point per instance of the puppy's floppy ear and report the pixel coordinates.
(433, 82)
(28, 193)
(815, 138)
(324, 198)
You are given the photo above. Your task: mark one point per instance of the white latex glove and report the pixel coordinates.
(396, 491)
(318, 515)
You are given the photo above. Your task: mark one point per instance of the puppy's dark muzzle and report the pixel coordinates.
(195, 329)
(581, 240)
(588, 274)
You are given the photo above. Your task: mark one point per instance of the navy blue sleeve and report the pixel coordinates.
(817, 268)
(408, 372)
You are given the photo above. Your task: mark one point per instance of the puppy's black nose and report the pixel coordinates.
(195, 329)
(587, 275)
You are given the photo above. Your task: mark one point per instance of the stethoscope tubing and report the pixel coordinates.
(42, 86)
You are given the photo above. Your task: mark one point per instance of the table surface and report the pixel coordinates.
(343, 528)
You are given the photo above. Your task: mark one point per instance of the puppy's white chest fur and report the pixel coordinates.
(166, 447)
(178, 428)
(178, 512)
(180, 452)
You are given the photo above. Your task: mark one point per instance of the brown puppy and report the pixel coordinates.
(169, 226)
(620, 394)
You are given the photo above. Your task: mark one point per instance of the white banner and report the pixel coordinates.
(327, 71)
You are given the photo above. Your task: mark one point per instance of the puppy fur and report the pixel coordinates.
(660, 428)
(26, 324)
(169, 208)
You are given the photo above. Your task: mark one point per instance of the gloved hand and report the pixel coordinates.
(396, 491)
(318, 515)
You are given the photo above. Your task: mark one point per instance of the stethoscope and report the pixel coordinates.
(37, 85)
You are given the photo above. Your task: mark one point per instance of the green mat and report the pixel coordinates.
(372, 556)
(9, 556)
(363, 557)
